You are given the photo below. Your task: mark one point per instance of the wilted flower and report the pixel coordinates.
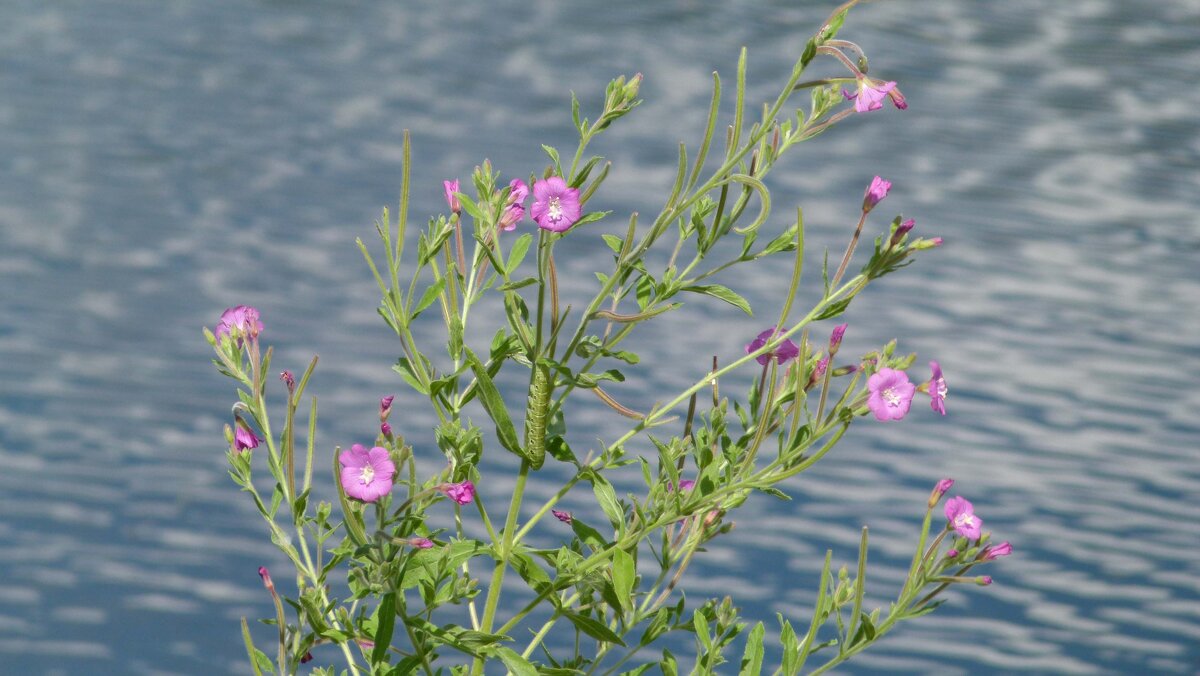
(875, 193)
(240, 321)
(871, 93)
(243, 438)
(937, 389)
(993, 552)
(555, 206)
(462, 493)
(366, 475)
(451, 187)
(785, 352)
(289, 380)
(565, 517)
(891, 394)
(961, 515)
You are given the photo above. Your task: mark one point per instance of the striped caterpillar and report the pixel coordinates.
(535, 416)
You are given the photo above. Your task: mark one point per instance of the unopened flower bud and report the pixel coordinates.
(983, 580)
(308, 657)
(451, 187)
(901, 230)
(385, 429)
(631, 88)
(266, 578)
(939, 490)
(512, 214)
(922, 244)
(420, 543)
(951, 553)
(993, 552)
(835, 339)
(565, 517)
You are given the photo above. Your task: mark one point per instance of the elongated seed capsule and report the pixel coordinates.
(535, 416)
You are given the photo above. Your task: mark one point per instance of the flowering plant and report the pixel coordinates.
(389, 572)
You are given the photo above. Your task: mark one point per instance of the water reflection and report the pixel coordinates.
(165, 162)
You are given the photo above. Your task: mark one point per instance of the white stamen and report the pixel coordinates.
(368, 474)
(889, 395)
(554, 210)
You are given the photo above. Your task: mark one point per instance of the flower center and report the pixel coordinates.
(554, 210)
(889, 395)
(964, 520)
(368, 475)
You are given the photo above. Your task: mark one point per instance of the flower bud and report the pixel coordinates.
(835, 339)
(385, 429)
(266, 578)
(983, 580)
(385, 407)
(901, 230)
(420, 543)
(451, 187)
(565, 517)
(993, 552)
(939, 490)
(289, 380)
(875, 193)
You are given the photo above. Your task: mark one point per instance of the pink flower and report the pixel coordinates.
(684, 485)
(891, 394)
(951, 553)
(518, 191)
(555, 206)
(366, 475)
(937, 389)
(939, 490)
(420, 543)
(785, 352)
(451, 187)
(511, 215)
(993, 552)
(875, 193)
(243, 438)
(385, 405)
(871, 93)
(961, 515)
(565, 517)
(240, 321)
(462, 493)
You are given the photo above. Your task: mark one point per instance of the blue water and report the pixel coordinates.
(162, 161)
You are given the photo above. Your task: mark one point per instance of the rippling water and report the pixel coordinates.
(161, 161)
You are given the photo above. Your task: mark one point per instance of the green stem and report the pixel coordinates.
(510, 527)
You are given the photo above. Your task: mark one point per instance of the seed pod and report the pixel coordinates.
(535, 416)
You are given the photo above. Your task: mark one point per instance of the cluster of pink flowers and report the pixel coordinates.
(891, 392)
(556, 206)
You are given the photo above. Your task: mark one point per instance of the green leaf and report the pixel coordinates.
(591, 217)
(595, 629)
(517, 665)
(553, 153)
(615, 243)
(721, 293)
(791, 649)
(607, 497)
(517, 253)
(624, 573)
(517, 284)
(753, 657)
(492, 402)
(587, 534)
(834, 309)
(386, 622)
(428, 297)
(256, 656)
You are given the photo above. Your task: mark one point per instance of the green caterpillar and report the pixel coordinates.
(535, 416)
